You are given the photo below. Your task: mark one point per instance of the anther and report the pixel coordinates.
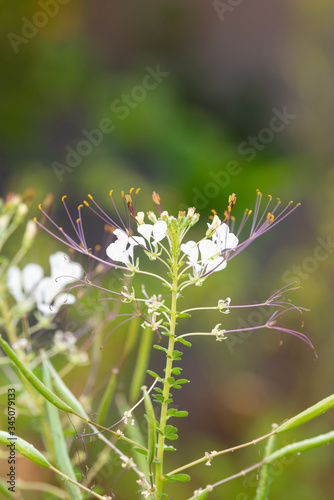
(78, 220)
(90, 196)
(122, 193)
(40, 206)
(132, 189)
(63, 198)
(80, 206)
(137, 190)
(111, 192)
(213, 211)
(35, 219)
(86, 203)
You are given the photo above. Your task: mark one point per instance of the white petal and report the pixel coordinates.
(137, 240)
(216, 265)
(208, 249)
(31, 275)
(221, 234)
(115, 251)
(191, 249)
(14, 283)
(62, 266)
(45, 292)
(232, 241)
(62, 299)
(159, 230)
(145, 230)
(122, 237)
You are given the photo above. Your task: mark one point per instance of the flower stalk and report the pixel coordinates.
(166, 383)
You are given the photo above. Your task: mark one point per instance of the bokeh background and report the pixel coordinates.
(206, 130)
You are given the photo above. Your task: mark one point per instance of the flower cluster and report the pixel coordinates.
(162, 239)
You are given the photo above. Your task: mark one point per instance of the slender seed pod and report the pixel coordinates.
(151, 426)
(39, 386)
(26, 449)
(306, 444)
(305, 416)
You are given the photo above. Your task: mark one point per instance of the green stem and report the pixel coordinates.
(262, 490)
(166, 386)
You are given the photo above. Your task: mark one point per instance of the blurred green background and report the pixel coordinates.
(205, 130)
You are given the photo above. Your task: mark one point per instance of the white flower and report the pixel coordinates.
(29, 287)
(122, 249)
(63, 272)
(224, 239)
(211, 259)
(157, 230)
(21, 284)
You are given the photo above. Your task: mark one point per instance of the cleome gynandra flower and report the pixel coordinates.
(138, 239)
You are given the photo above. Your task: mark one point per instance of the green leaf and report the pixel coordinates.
(184, 478)
(183, 315)
(177, 370)
(170, 429)
(182, 381)
(159, 398)
(140, 450)
(169, 448)
(184, 342)
(171, 380)
(157, 389)
(153, 374)
(160, 348)
(172, 412)
(172, 437)
(177, 355)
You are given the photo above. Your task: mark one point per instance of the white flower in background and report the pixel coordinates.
(63, 272)
(29, 287)
(121, 250)
(210, 250)
(21, 284)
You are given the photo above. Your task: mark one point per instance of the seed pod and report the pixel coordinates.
(39, 386)
(26, 449)
(309, 414)
(151, 426)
